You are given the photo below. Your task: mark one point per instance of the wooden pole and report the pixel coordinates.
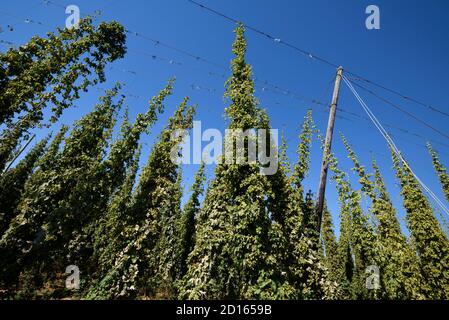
(327, 149)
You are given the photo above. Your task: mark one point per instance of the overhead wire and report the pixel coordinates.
(401, 109)
(267, 86)
(393, 146)
(318, 58)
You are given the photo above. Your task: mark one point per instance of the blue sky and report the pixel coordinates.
(408, 54)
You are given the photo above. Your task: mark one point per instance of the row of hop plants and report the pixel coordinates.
(80, 198)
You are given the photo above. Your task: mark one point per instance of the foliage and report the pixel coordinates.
(231, 257)
(54, 207)
(431, 243)
(143, 260)
(83, 199)
(51, 72)
(440, 171)
(12, 184)
(186, 226)
(357, 238)
(400, 276)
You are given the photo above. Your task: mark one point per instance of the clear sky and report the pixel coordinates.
(409, 54)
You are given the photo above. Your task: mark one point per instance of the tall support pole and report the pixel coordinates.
(327, 149)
